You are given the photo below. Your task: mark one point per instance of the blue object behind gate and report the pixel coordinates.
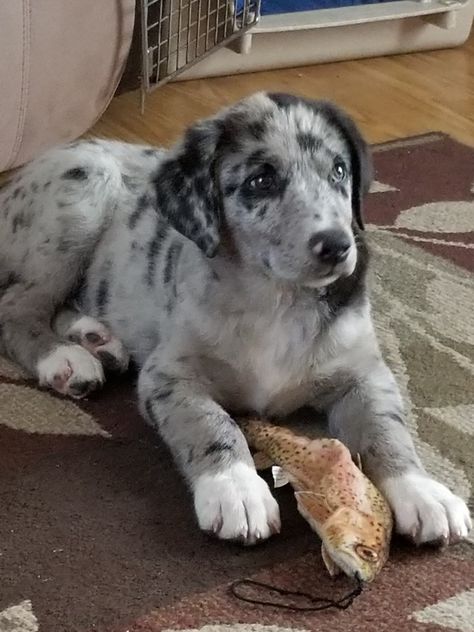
(270, 7)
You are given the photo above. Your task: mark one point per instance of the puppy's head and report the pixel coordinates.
(285, 176)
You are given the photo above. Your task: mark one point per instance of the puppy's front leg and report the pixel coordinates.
(230, 498)
(371, 421)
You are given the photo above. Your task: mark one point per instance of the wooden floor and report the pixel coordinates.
(390, 97)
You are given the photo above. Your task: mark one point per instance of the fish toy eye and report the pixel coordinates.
(366, 553)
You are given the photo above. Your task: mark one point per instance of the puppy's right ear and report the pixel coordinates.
(186, 187)
(361, 160)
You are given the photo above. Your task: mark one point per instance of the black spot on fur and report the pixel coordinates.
(172, 257)
(34, 187)
(149, 152)
(102, 296)
(282, 100)
(202, 185)
(143, 204)
(152, 417)
(191, 158)
(21, 220)
(255, 158)
(262, 211)
(218, 447)
(165, 378)
(153, 250)
(204, 243)
(340, 188)
(230, 189)
(77, 173)
(46, 185)
(162, 394)
(256, 129)
(63, 244)
(129, 182)
(308, 142)
(17, 192)
(151, 368)
(397, 417)
(7, 281)
(169, 273)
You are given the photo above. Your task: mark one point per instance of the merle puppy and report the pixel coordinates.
(232, 269)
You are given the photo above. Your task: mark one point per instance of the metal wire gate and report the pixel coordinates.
(178, 33)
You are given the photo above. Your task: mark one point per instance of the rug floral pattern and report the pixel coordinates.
(97, 532)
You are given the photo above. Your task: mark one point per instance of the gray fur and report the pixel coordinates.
(206, 261)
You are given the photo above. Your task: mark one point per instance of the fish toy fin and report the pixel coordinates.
(262, 461)
(280, 479)
(312, 507)
(329, 563)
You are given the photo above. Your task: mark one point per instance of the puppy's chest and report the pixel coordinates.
(274, 362)
(285, 363)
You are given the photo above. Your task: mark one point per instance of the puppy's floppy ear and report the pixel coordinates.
(361, 161)
(186, 187)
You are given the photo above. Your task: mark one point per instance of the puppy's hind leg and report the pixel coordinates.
(56, 215)
(26, 312)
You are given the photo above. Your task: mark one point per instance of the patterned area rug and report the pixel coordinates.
(96, 530)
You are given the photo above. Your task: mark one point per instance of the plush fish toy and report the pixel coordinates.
(346, 510)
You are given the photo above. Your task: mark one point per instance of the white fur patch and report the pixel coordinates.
(426, 510)
(236, 504)
(69, 365)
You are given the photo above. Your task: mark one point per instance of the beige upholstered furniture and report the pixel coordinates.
(60, 63)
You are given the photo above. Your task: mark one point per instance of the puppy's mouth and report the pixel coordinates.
(312, 275)
(328, 274)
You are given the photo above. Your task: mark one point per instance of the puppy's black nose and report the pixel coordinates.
(330, 246)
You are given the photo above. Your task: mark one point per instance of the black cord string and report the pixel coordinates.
(318, 603)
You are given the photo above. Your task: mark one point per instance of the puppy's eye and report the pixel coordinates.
(339, 171)
(263, 182)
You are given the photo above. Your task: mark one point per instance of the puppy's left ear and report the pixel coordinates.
(361, 160)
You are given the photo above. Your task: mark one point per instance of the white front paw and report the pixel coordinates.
(236, 504)
(426, 510)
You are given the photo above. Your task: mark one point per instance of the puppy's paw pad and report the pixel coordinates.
(98, 340)
(70, 370)
(236, 504)
(426, 510)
